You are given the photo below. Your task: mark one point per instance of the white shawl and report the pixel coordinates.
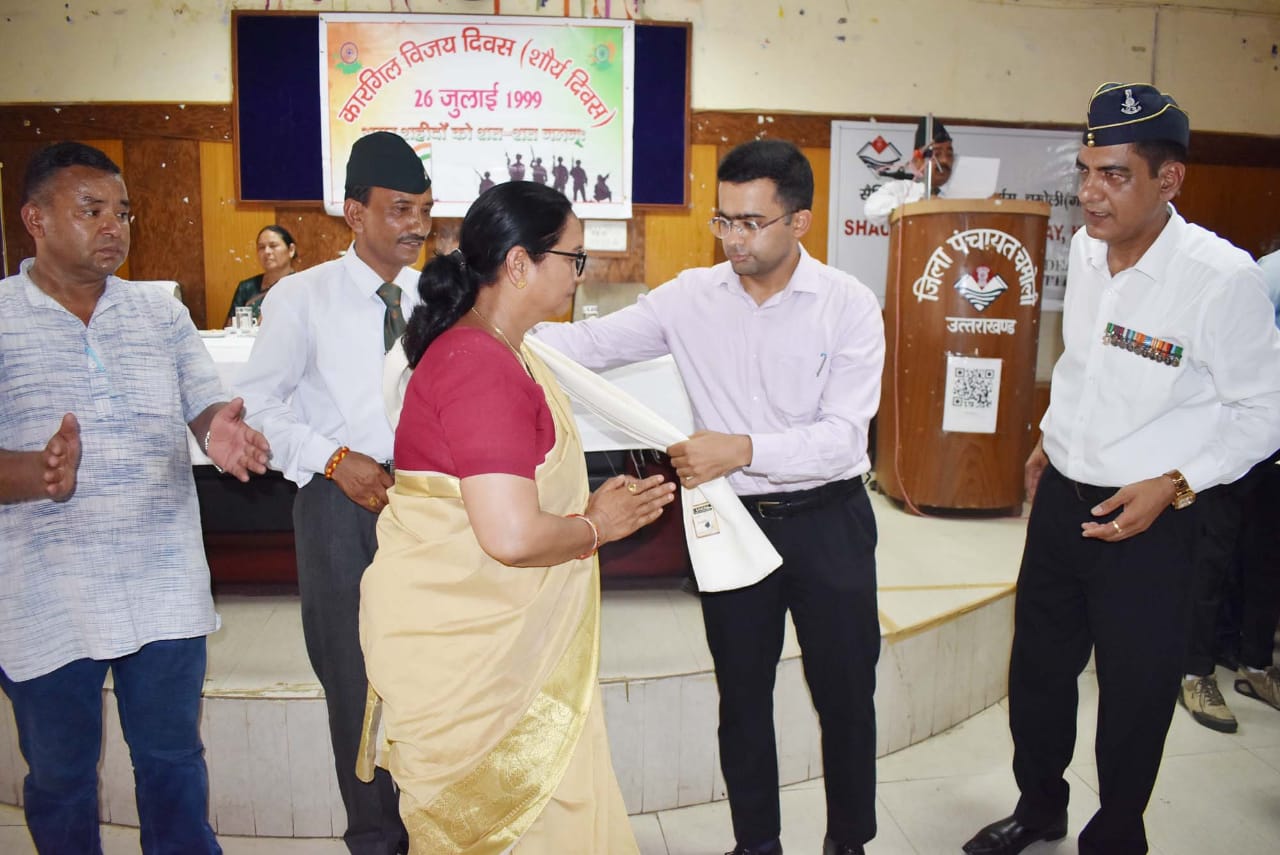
(726, 547)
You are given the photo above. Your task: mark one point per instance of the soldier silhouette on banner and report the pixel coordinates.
(516, 169)
(560, 173)
(579, 176)
(602, 191)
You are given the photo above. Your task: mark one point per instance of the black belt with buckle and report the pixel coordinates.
(1092, 494)
(777, 506)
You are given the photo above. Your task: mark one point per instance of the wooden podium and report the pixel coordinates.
(962, 319)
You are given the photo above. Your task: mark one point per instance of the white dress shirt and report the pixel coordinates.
(1270, 265)
(1116, 417)
(314, 379)
(799, 374)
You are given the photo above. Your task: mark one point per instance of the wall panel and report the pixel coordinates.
(189, 227)
(230, 231)
(1240, 86)
(51, 121)
(677, 241)
(816, 240)
(1022, 61)
(1240, 203)
(168, 240)
(15, 154)
(320, 237)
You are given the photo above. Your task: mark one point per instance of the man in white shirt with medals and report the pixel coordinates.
(1169, 385)
(315, 380)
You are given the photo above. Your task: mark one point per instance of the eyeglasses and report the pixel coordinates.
(721, 226)
(579, 259)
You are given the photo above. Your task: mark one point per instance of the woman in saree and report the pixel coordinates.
(479, 617)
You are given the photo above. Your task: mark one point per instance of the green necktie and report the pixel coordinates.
(393, 322)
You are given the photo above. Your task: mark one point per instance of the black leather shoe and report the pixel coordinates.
(773, 847)
(1009, 837)
(831, 847)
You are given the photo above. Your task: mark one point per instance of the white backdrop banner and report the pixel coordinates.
(1034, 165)
(484, 100)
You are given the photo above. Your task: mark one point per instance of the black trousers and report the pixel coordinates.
(828, 581)
(335, 540)
(1216, 553)
(1237, 573)
(1129, 601)
(1260, 570)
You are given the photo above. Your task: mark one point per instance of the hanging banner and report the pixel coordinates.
(484, 100)
(1034, 165)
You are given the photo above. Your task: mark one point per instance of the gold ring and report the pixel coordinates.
(373, 501)
(631, 487)
(1116, 525)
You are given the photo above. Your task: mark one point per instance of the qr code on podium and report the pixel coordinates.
(973, 388)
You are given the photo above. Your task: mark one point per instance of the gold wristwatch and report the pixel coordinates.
(1183, 495)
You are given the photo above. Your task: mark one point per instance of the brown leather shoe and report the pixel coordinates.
(1009, 837)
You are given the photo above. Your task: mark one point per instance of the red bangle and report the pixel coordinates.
(595, 534)
(334, 461)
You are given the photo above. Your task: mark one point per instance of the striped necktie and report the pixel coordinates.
(393, 322)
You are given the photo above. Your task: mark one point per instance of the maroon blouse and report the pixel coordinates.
(470, 409)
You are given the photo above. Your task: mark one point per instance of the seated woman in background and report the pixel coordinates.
(276, 253)
(480, 615)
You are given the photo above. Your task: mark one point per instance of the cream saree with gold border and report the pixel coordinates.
(483, 677)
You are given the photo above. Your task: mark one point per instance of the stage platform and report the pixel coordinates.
(946, 617)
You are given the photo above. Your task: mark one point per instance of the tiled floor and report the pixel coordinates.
(1216, 793)
(928, 568)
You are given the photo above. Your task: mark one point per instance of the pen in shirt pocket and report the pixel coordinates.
(821, 364)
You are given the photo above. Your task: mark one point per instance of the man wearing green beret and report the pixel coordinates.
(315, 377)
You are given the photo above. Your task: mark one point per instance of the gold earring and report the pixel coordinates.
(521, 284)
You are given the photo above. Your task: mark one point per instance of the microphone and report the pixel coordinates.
(896, 174)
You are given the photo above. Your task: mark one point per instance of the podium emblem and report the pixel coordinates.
(981, 289)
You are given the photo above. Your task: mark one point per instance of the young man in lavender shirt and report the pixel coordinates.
(781, 356)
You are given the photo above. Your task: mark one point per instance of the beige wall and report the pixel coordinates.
(982, 59)
(1010, 61)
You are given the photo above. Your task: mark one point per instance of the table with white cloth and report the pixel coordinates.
(655, 382)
